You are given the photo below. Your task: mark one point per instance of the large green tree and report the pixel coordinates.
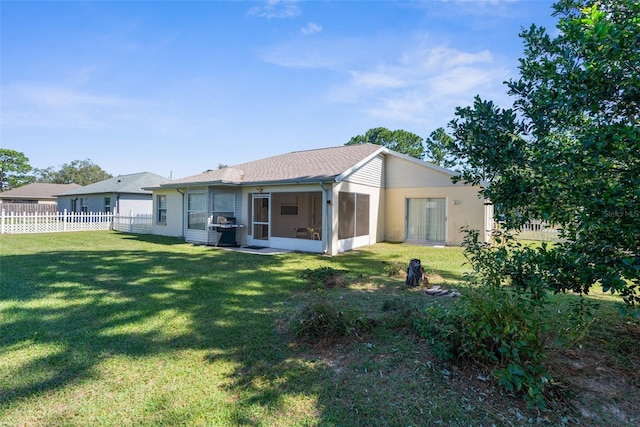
(83, 172)
(568, 152)
(437, 149)
(14, 169)
(400, 141)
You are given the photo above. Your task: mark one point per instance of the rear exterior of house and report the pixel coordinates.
(321, 201)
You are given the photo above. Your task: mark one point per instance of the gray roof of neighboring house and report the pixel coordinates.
(37, 191)
(129, 184)
(298, 166)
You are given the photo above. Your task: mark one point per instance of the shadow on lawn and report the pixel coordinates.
(85, 304)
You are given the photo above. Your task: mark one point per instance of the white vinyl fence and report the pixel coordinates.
(139, 224)
(536, 230)
(58, 222)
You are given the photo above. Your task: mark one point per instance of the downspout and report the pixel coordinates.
(325, 224)
(182, 210)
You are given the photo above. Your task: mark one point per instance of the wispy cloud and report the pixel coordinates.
(422, 83)
(47, 105)
(412, 84)
(276, 9)
(416, 86)
(311, 28)
(309, 53)
(60, 97)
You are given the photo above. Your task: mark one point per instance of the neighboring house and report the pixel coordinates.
(122, 194)
(36, 193)
(325, 201)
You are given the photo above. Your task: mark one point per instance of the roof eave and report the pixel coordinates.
(289, 181)
(174, 185)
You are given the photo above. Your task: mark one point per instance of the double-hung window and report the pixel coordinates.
(223, 205)
(196, 211)
(162, 209)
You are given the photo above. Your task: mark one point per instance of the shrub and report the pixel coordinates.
(320, 321)
(498, 326)
(324, 277)
(395, 268)
(499, 320)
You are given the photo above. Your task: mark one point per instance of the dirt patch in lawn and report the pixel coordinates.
(603, 390)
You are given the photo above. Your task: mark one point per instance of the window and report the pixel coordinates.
(196, 214)
(288, 204)
(107, 204)
(353, 212)
(162, 209)
(83, 205)
(224, 205)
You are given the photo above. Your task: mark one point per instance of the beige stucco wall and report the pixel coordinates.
(464, 209)
(403, 172)
(407, 178)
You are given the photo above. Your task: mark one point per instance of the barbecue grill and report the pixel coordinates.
(226, 228)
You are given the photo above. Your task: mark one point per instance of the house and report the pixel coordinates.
(35, 193)
(325, 201)
(121, 194)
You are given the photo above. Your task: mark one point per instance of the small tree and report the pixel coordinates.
(568, 152)
(14, 169)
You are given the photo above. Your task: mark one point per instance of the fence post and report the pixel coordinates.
(131, 221)
(2, 223)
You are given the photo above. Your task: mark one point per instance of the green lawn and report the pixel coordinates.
(103, 328)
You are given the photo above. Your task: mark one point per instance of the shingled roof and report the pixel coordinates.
(129, 184)
(298, 166)
(37, 191)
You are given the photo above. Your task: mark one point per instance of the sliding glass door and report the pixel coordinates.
(426, 219)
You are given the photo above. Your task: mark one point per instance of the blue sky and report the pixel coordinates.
(177, 88)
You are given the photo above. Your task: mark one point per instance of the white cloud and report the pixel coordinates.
(60, 97)
(311, 28)
(276, 9)
(443, 57)
(415, 83)
(309, 53)
(46, 105)
(421, 83)
(377, 79)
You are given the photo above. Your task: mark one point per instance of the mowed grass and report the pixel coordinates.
(104, 328)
